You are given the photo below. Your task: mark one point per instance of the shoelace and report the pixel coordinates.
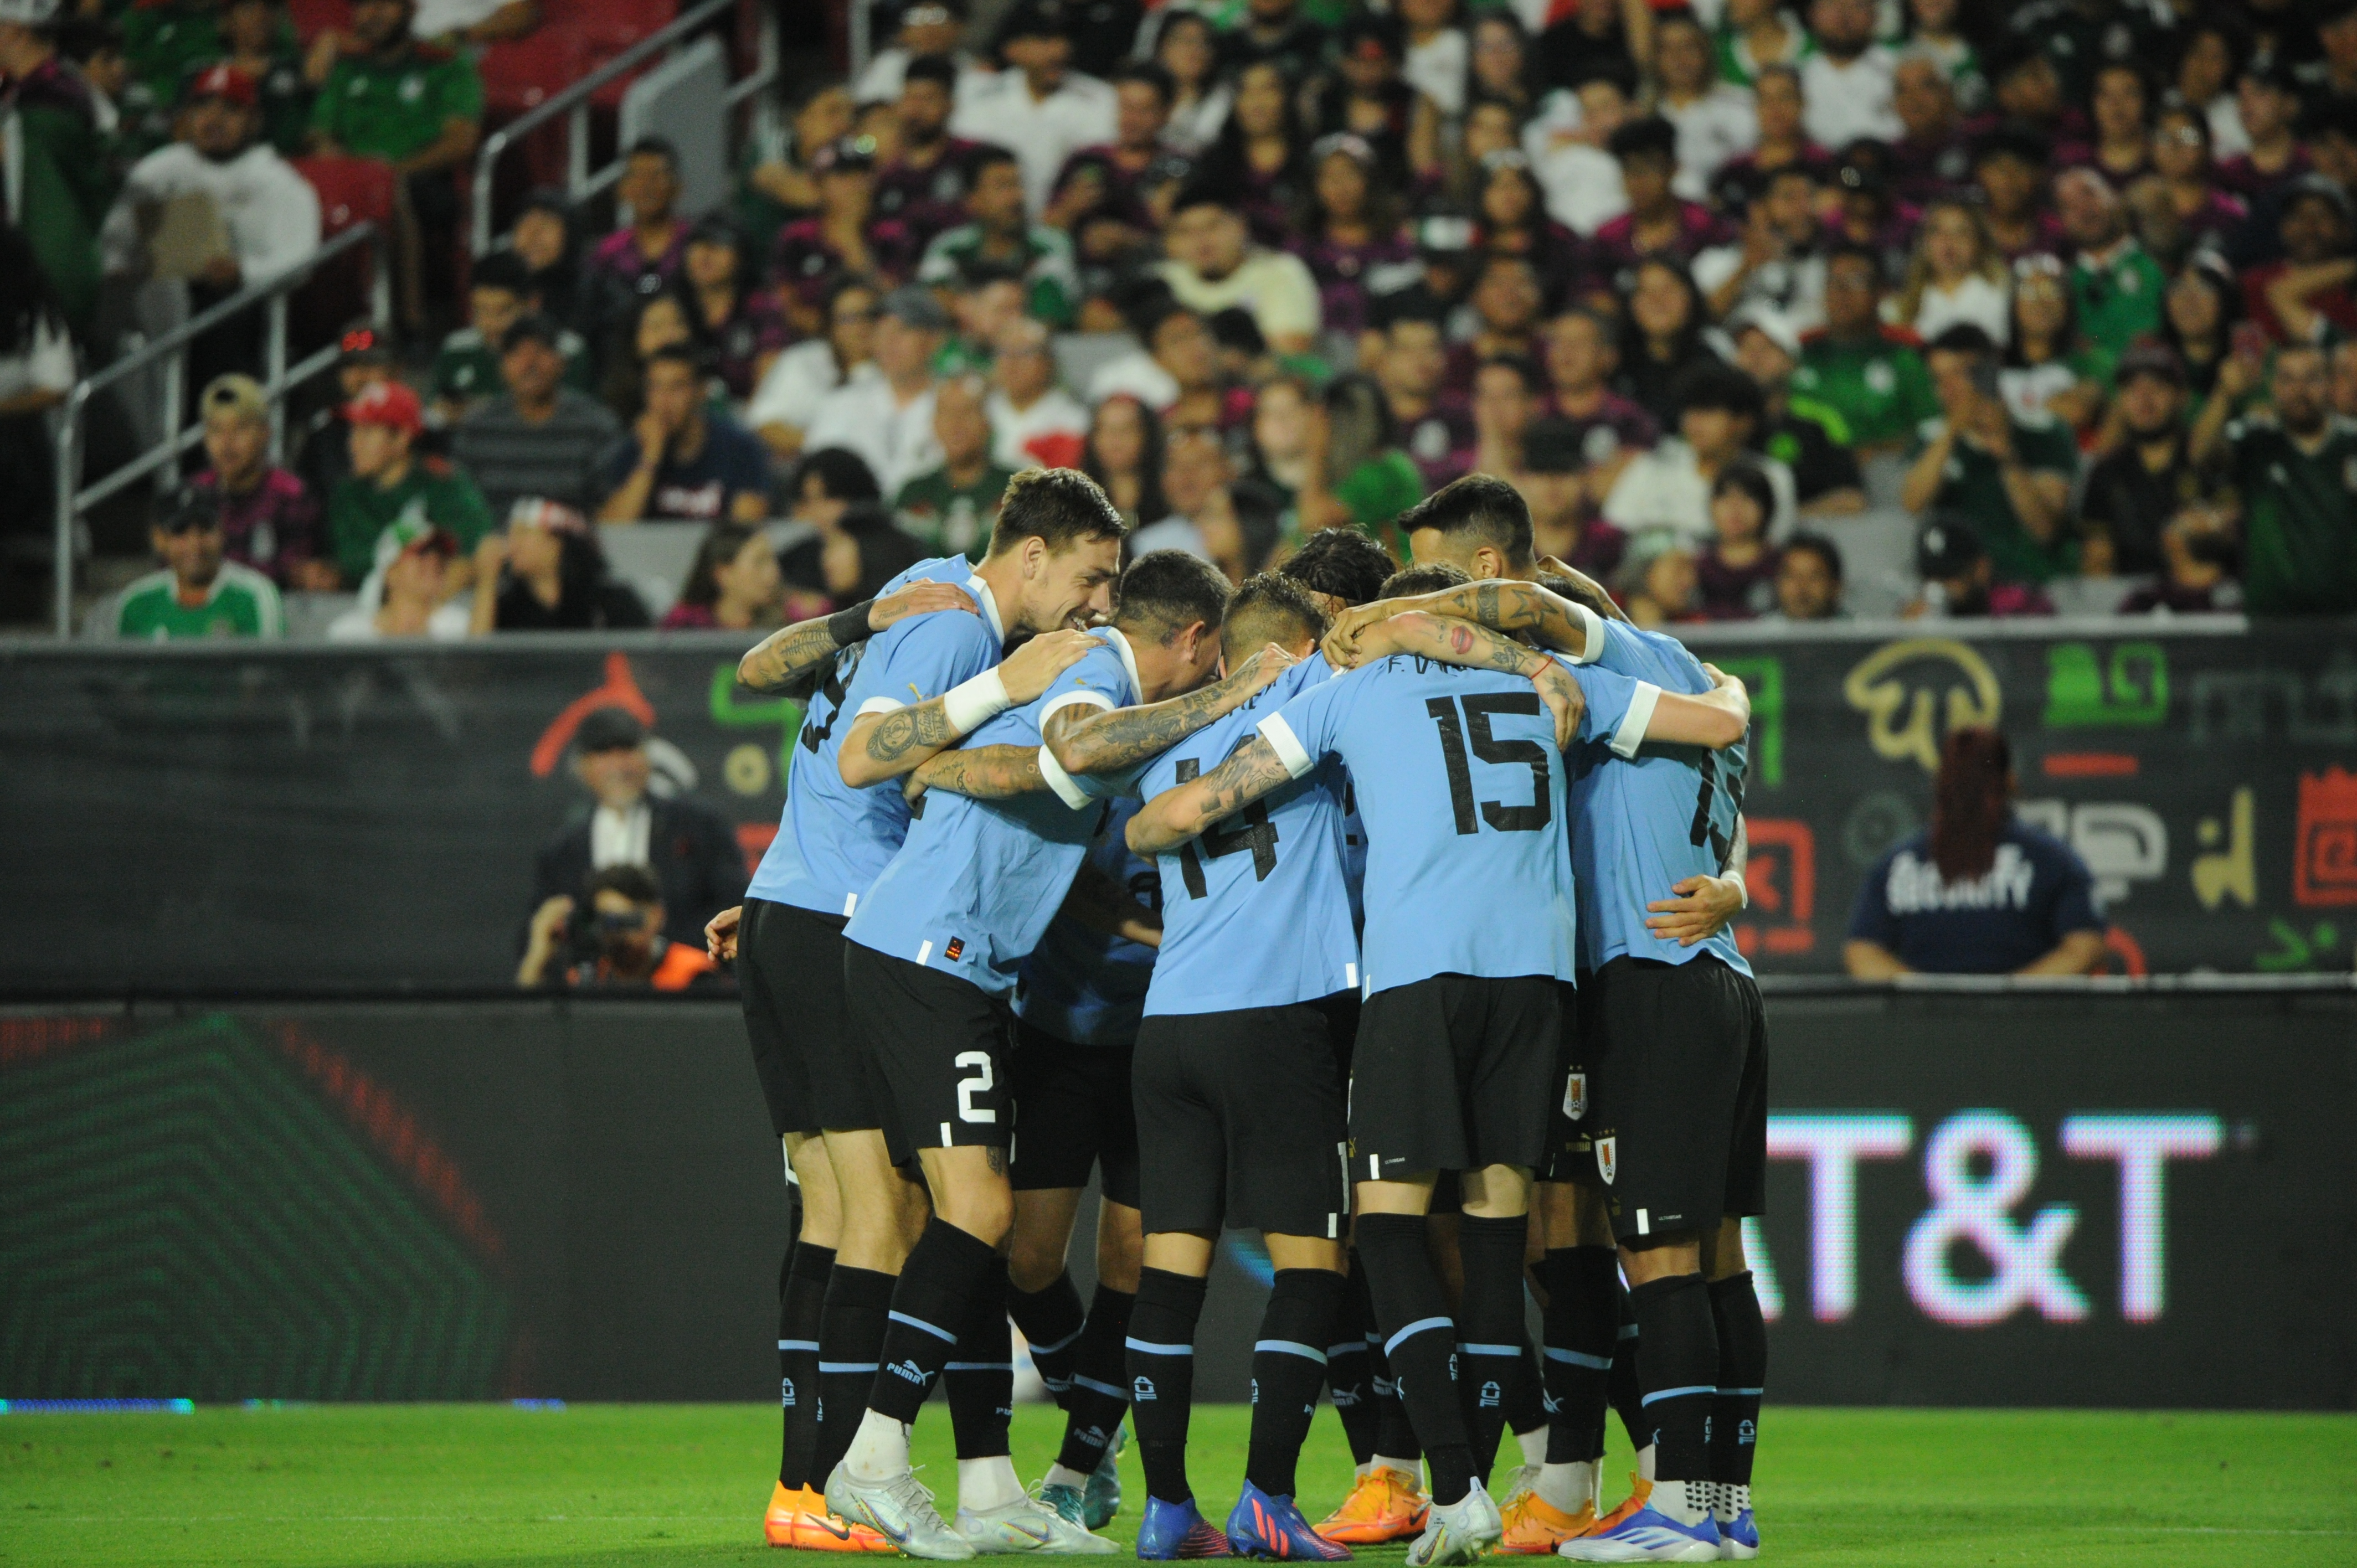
(915, 1499)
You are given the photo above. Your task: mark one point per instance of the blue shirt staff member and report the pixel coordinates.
(1981, 891)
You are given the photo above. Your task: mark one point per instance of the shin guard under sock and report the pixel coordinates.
(1583, 1316)
(1051, 1321)
(933, 1302)
(802, 1307)
(850, 1342)
(1161, 1351)
(1349, 1365)
(1492, 1358)
(979, 1376)
(1420, 1342)
(1288, 1365)
(1742, 1370)
(1100, 1392)
(1677, 1364)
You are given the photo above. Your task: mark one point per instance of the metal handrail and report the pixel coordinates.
(75, 498)
(580, 180)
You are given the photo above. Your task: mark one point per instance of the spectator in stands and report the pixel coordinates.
(547, 572)
(390, 481)
(2145, 480)
(2204, 303)
(738, 325)
(1582, 357)
(538, 438)
(324, 453)
(1735, 576)
(1980, 891)
(1186, 47)
(734, 585)
(1213, 265)
(256, 39)
(1659, 222)
(2267, 101)
(1803, 433)
(640, 259)
(406, 595)
(1664, 338)
(2295, 469)
(684, 461)
(1931, 161)
(1981, 464)
(1808, 580)
(1713, 119)
(996, 233)
(2203, 216)
(1507, 390)
(269, 522)
(61, 182)
(1233, 526)
(1437, 432)
(787, 400)
(2051, 372)
(1777, 262)
(928, 29)
(953, 508)
(660, 322)
(1657, 581)
(1959, 580)
(36, 371)
(842, 238)
(2009, 173)
(1848, 82)
(198, 593)
(923, 185)
(1785, 141)
(1671, 487)
(1506, 300)
(1177, 363)
(859, 549)
(775, 185)
(1124, 454)
(888, 417)
(2308, 294)
(1868, 372)
(1954, 276)
(1362, 91)
(2199, 562)
(1556, 482)
(1038, 105)
(2115, 287)
(542, 237)
(466, 374)
(1259, 157)
(1034, 422)
(1110, 198)
(620, 943)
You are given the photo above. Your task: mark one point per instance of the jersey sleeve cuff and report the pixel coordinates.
(1636, 721)
(878, 705)
(1286, 745)
(1591, 625)
(1067, 788)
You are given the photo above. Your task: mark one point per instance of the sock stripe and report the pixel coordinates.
(1579, 1358)
(1061, 1344)
(933, 1329)
(1421, 1325)
(1628, 1331)
(844, 1367)
(1465, 1349)
(810, 1344)
(1679, 1393)
(977, 1366)
(1355, 1347)
(1290, 1348)
(1106, 1389)
(1151, 1348)
(1743, 1393)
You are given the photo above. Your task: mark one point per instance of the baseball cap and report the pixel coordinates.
(912, 305)
(2316, 187)
(190, 508)
(240, 395)
(222, 79)
(389, 403)
(1770, 323)
(1949, 546)
(413, 532)
(1035, 19)
(536, 511)
(2149, 360)
(362, 343)
(610, 729)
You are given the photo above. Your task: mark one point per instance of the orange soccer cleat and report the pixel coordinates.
(1641, 1491)
(1534, 1525)
(1385, 1505)
(798, 1520)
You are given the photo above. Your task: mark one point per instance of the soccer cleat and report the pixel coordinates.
(1739, 1532)
(1029, 1524)
(1067, 1501)
(1172, 1531)
(1263, 1526)
(1385, 1505)
(1534, 1525)
(799, 1519)
(1643, 1534)
(1102, 1499)
(1519, 1480)
(900, 1510)
(1459, 1532)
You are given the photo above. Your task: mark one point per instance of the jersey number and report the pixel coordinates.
(814, 735)
(979, 1084)
(1506, 819)
(1257, 835)
(1704, 831)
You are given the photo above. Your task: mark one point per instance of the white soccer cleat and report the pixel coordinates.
(1458, 1533)
(900, 1509)
(1519, 1479)
(1028, 1525)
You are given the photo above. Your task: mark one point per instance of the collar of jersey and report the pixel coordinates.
(983, 597)
(1128, 659)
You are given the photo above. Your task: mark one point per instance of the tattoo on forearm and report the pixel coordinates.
(1461, 642)
(985, 773)
(925, 727)
(1120, 737)
(784, 656)
(1241, 779)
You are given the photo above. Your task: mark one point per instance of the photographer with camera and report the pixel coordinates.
(612, 935)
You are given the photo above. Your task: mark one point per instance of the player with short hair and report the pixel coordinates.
(1341, 568)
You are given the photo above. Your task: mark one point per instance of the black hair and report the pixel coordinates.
(1152, 72)
(1717, 385)
(1855, 251)
(675, 353)
(721, 547)
(1272, 607)
(1163, 591)
(1820, 546)
(504, 270)
(632, 881)
(983, 156)
(939, 70)
(1341, 564)
(1752, 481)
(1635, 138)
(1964, 338)
(1482, 506)
(1059, 507)
(655, 147)
(1407, 305)
(1151, 508)
(844, 473)
(1525, 370)
(1426, 577)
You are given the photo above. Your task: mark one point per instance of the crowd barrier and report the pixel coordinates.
(235, 816)
(2138, 1195)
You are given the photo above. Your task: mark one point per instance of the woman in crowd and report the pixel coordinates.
(856, 551)
(1956, 276)
(2198, 316)
(546, 573)
(734, 584)
(1490, 125)
(1662, 338)
(544, 240)
(1352, 231)
(2047, 373)
(405, 596)
(1980, 891)
(738, 326)
(1199, 100)
(1735, 578)
(2209, 60)
(1500, 69)
(1124, 454)
(2207, 216)
(1510, 220)
(1261, 152)
(1714, 119)
(663, 322)
(2121, 150)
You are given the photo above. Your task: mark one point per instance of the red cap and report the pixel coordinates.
(387, 403)
(225, 80)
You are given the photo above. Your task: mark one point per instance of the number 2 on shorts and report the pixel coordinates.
(979, 1084)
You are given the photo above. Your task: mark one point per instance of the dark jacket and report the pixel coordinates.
(694, 857)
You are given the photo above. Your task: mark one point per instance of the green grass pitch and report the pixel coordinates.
(672, 1484)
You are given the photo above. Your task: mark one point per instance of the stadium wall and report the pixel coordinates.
(2134, 1196)
(237, 817)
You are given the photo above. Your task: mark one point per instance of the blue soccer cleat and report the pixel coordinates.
(1102, 1499)
(1263, 1526)
(1172, 1532)
(1646, 1534)
(1739, 1532)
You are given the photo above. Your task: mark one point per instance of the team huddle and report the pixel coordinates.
(1383, 913)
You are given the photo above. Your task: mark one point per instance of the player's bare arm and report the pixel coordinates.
(1100, 904)
(886, 745)
(785, 655)
(1704, 905)
(1718, 718)
(1106, 740)
(1173, 817)
(1511, 607)
(982, 773)
(1447, 640)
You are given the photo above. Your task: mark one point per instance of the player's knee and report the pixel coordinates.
(984, 1210)
(1033, 1261)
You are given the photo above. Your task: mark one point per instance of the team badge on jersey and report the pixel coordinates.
(1575, 1096)
(1608, 1158)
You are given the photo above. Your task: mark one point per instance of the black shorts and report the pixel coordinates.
(1240, 1122)
(1457, 1072)
(936, 1053)
(1676, 1129)
(1072, 1114)
(790, 974)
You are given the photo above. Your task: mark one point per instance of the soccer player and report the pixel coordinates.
(1467, 959)
(1240, 1101)
(932, 953)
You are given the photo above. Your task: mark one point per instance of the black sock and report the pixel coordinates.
(1395, 1435)
(1051, 1320)
(1420, 1342)
(1626, 1393)
(1348, 1365)
(1490, 1328)
(1526, 1395)
(801, 1304)
(1161, 1363)
(931, 1304)
(1677, 1362)
(1583, 1315)
(1742, 1369)
(980, 1374)
(1288, 1365)
(1099, 1380)
(850, 1340)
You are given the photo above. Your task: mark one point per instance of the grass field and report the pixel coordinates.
(386, 1485)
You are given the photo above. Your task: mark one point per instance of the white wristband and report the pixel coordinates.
(1737, 877)
(975, 704)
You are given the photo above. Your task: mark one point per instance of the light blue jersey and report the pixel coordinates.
(1650, 816)
(1255, 913)
(1461, 788)
(1085, 985)
(833, 841)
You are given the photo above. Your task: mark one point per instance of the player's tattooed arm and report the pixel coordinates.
(1107, 740)
(1704, 905)
(784, 657)
(888, 745)
(1173, 817)
(1512, 607)
(981, 773)
(1446, 639)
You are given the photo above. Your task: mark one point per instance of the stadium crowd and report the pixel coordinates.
(2063, 290)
